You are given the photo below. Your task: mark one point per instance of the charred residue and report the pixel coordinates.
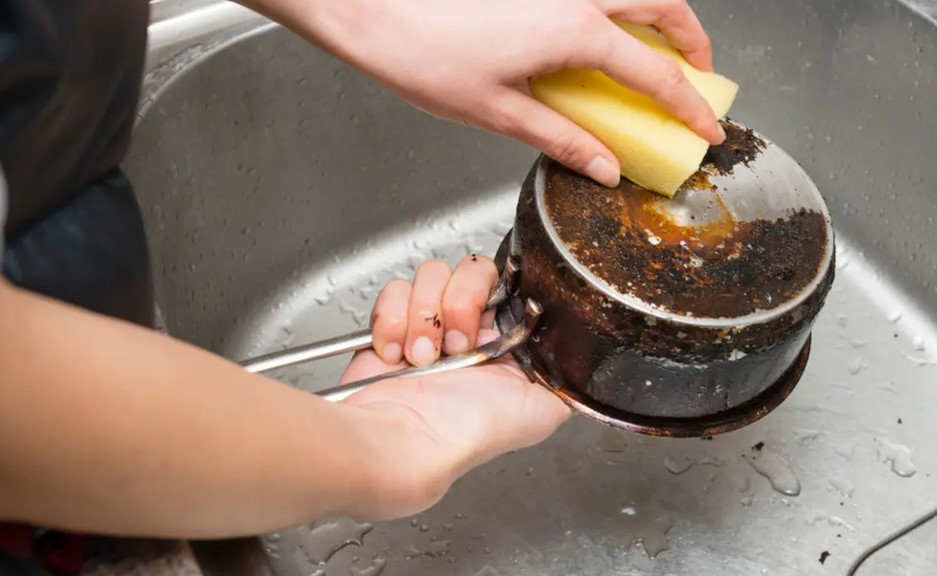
(741, 146)
(718, 269)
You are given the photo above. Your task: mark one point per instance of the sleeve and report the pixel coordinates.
(3, 211)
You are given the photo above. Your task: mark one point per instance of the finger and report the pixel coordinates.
(425, 317)
(676, 21)
(522, 117)
(389, 321)
(465, 299)
(632, 63)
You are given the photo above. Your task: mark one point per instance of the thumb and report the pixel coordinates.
(523, 118)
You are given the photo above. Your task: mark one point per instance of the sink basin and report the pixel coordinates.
(282, 189)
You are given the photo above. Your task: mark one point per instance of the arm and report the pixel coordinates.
(471, 61)
(107, 427)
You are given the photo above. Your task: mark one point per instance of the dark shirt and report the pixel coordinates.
(69, 83)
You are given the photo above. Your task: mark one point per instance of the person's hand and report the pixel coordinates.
(449, 422)
(471, 61)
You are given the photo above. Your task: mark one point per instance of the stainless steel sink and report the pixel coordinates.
(282, 189)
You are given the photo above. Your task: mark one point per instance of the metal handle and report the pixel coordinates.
(353, 342)
(484, 353)
(362, 340)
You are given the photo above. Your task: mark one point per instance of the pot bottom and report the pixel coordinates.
(701, 426)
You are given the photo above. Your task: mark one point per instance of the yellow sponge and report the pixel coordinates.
(656, 150)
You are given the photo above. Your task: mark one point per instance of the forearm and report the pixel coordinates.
(338, 27)
(111, 428)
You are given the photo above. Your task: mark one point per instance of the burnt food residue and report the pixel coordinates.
(740, 147)
(717, 269)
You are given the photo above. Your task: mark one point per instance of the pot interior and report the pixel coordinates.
(744, 241)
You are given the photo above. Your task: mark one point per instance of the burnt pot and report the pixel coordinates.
(630, 362)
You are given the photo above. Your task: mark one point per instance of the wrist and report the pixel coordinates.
(405, 469)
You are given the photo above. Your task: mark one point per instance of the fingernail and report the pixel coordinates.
(722, 132)
(423, 351)
(602, 171)
(456, 342)
(392, 353)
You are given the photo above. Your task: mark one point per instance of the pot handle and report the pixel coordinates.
(362, 340)
(493, 350)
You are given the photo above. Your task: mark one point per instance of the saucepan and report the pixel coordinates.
(682, 317)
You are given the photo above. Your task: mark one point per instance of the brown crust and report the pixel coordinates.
(741, 146)
(720, 269)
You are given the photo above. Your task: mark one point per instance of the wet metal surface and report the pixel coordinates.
(282, 190)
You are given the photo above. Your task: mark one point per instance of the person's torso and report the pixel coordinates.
(69, 82)
(70, 74)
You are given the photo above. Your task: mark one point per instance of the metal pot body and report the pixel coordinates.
(636, 369)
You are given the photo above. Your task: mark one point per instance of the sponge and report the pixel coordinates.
(656, 150)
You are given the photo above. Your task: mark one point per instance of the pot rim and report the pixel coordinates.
(754, 318)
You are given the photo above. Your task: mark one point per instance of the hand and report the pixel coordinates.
(471, 61)
(450, 422)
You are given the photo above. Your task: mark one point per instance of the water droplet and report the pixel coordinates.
(894, 317)
(843, 486)
(656, 540)
(629, 511)
(678, 465)
(918, 344)
(919, 361)
(834, 521)
(747, 501)
(776, 469)
(424, 528)
(806, 437)
(714, 461)
(855, 366)
(375, 569)
(326, 539)
(434, 550)
(898, 456)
